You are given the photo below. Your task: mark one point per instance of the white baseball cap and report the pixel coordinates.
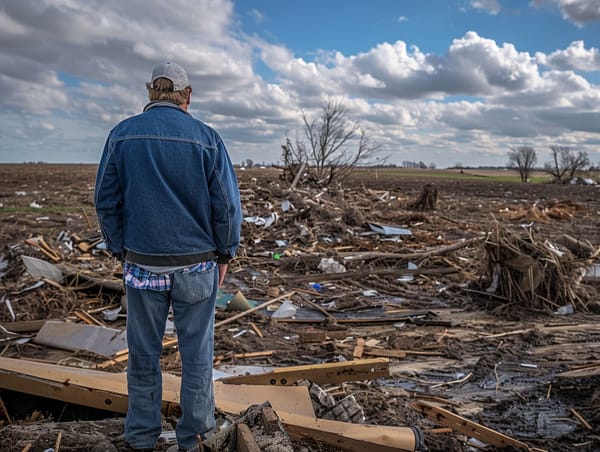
(172, 72)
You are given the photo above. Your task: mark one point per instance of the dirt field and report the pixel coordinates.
(495, 356)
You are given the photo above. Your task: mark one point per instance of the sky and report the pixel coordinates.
(444, 82)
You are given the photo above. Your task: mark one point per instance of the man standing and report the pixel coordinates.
(168, 205)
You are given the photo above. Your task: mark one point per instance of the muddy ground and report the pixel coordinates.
(492, 358)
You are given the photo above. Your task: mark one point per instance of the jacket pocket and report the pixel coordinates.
(193, 287)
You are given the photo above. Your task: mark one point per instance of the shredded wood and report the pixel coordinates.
(526, 271)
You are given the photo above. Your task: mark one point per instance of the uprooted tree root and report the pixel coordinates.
(527, 272)
(426, 200)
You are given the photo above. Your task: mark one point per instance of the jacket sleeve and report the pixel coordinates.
(226, 207)
(108, 200)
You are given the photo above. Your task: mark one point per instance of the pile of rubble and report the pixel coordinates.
(340, 305)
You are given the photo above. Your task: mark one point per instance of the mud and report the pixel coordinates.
(492, 362)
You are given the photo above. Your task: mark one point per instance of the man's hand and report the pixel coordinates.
(222, 273)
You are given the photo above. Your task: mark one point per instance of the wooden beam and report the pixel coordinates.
(353, 437)
(467, 427)
(67, 393)
(89, 387)
(358, 370)
(108, 390)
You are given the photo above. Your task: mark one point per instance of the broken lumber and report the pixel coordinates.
(467, 427)
(364, 273)
(353, 437)
(108, 391)
(358, 370)
(23, 326)
(591, 371)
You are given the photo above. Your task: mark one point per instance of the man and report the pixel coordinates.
(169, 208)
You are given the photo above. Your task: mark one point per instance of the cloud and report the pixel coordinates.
(402, 19)
(71, 70)
(575, 57)
(579, 12)
(491, 6)
(473, 66)
(257, 16)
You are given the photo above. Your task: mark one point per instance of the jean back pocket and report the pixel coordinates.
(193, 287)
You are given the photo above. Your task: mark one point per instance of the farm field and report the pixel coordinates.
(469, 300)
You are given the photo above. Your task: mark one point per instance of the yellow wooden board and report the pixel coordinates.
(230, 398)
(292, 403)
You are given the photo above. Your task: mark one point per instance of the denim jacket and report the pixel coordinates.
(166, 191)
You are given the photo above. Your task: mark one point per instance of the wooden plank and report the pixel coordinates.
(86, 317)
(591, 371)
(352, 437)
(108, 390)
(245, 441)
(385, 353)
(467, 427)
(399, 353)
(87, 387)
(358, 370)
(359, 348)
(23, 326)
(67, 393)
(123, 354)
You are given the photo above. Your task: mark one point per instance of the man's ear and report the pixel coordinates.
(189, 96)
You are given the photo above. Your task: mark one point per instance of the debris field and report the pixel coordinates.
(394, 312)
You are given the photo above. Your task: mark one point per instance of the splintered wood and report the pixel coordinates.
(524, 270)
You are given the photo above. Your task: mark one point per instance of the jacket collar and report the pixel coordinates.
(162, 103)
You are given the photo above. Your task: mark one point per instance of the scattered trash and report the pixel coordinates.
(285, 310)
(316, 286)
(75, 336)
(286, 206)
(110, 315)
(330, 265)
(388, 229)
(39, 268)
(3, 265)
(564, 310)
(8, 304)
(408, 278)
(238, 303)
(264, 221)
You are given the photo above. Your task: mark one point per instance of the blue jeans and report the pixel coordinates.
(193, 297)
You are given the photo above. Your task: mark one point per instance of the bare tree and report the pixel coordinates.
(524, 159)
(565, 163)
(332, 146)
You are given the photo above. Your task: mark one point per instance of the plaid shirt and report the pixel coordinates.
(139, 278)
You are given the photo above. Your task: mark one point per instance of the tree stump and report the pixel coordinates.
(426, 200)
